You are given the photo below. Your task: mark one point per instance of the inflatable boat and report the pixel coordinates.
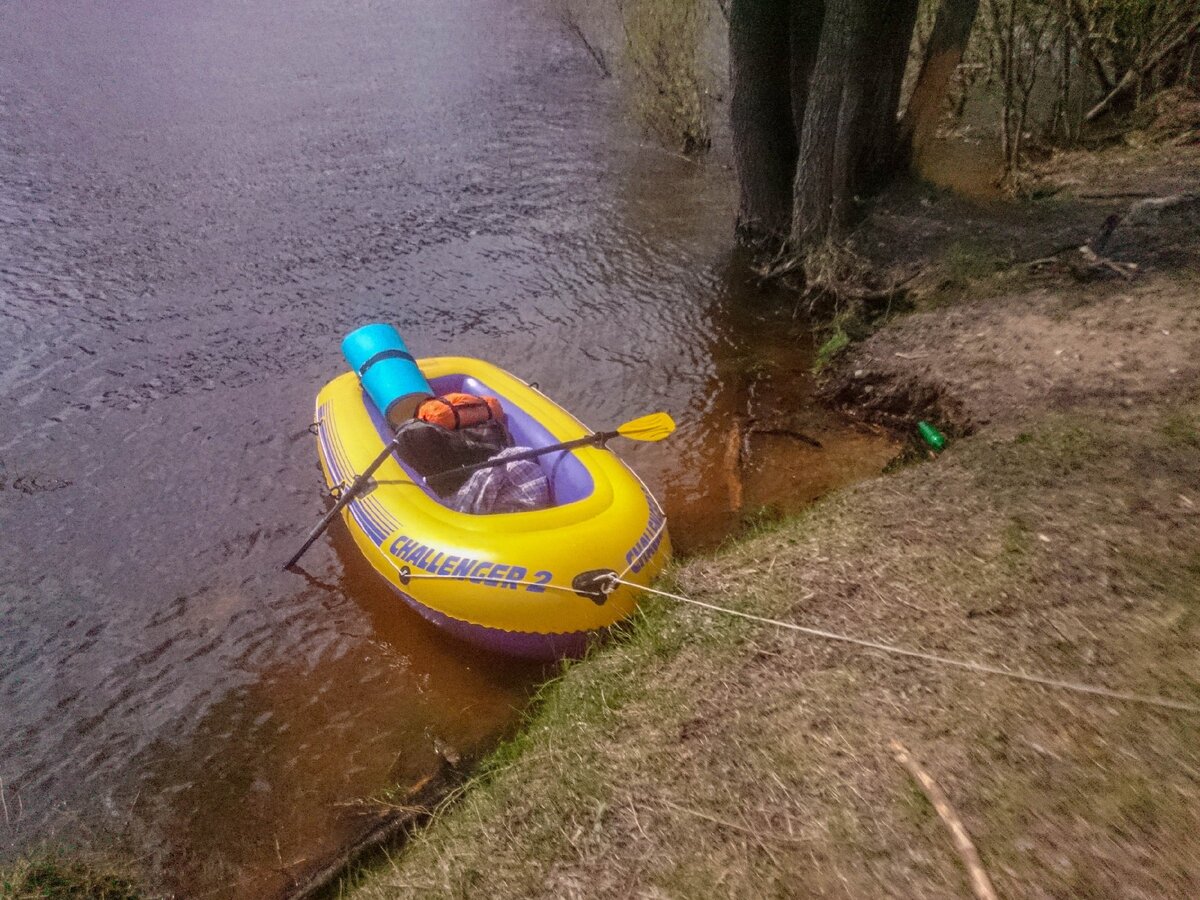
(532, 584)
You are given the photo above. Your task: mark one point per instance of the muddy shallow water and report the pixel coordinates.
(196, 202)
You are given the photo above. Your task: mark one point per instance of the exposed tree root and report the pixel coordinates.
(389, 823)
(831, 277)
(567, 16)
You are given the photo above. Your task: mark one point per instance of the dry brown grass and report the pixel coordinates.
(709, 757)
(667, 55)
(64, 874)
(662, 43)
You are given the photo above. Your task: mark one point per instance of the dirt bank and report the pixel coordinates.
(707, 756)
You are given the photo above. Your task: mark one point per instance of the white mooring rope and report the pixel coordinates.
(892, 649)
(878, 646)
(651, 545)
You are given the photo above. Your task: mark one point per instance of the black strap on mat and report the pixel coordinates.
(381, 356)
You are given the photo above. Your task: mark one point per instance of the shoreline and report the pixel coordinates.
(706, 755)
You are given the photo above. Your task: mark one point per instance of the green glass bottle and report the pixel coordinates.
(934, 438)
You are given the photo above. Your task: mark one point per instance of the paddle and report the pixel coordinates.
(347, 495)
(653, 427)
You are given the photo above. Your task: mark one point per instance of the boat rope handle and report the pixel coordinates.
(651, 545)
(970, 665)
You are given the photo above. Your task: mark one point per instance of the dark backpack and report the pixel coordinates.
(429, 449)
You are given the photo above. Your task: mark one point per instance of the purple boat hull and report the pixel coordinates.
(524, 644)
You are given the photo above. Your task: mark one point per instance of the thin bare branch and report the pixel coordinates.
(981, 884)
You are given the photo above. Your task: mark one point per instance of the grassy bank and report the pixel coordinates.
(68, 875)
(706, 756)
(703, 756)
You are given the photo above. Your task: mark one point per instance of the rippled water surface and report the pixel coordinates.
(197, 200)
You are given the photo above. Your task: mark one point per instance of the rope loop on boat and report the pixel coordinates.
(936, 659)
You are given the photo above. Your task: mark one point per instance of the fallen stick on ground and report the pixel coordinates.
(1094, 260)
(1142, 212)
(981, 885)
(759, 836)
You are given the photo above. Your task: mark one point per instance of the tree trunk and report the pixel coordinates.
(815, 91)
(820, 187)
(848, 136)
(805, 24)
(1082, 22)
(760, 109)
(886, 62)
(943, 53)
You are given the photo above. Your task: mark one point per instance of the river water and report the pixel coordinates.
(197, 200)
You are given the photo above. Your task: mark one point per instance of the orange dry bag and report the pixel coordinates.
(458, 410)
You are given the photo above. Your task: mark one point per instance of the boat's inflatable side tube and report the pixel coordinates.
(388, 372)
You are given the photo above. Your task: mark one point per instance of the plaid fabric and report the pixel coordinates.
(518, 486)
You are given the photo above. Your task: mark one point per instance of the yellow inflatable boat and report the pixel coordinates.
(528, 584)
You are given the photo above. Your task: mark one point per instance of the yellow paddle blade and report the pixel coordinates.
(653, 427)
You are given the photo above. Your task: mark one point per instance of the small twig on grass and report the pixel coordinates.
(1095, 261)
(760, 836)
(3, 802)
(637, 821)
(981, 885)
(897, 598)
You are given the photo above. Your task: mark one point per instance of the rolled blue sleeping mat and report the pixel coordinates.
(388, 372)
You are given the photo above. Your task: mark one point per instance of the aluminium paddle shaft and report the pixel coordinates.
(652, 427)
(596, 439)
(347, 495)
(356, 486)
